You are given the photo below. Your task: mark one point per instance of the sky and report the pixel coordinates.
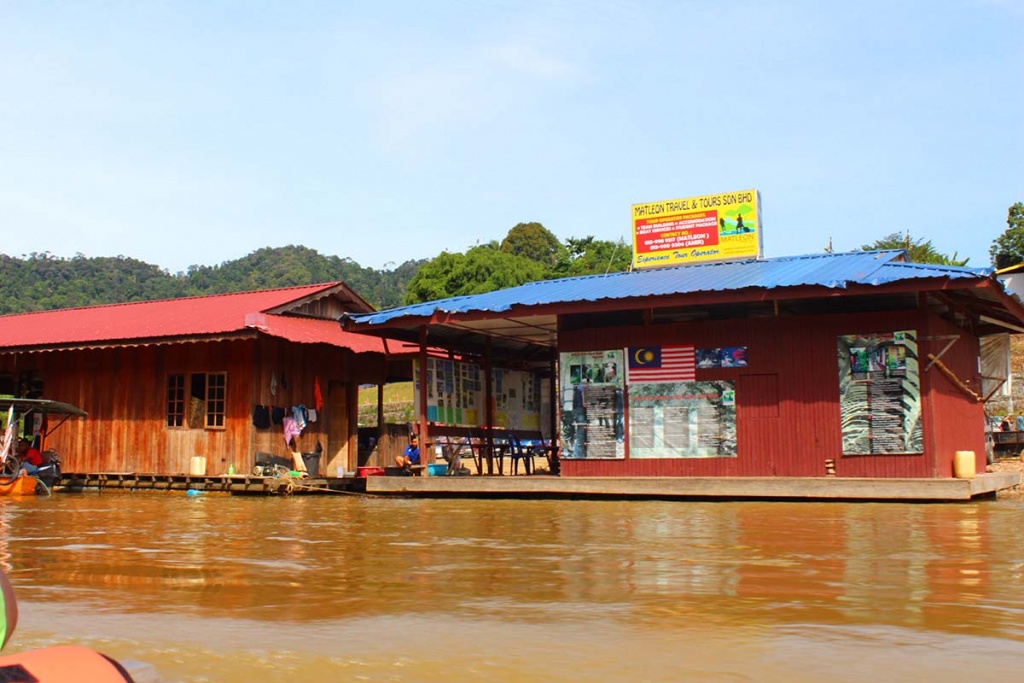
(194, 133)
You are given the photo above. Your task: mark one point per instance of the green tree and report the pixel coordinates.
(41, 281)
(1008, 249)
(589, 256)
(533, 241)
(484, 268)
(919, 250)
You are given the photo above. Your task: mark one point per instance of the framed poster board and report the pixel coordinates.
(880, 393)
(591, 408)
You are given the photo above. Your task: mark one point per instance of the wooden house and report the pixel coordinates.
(213, 376)
(847, 365)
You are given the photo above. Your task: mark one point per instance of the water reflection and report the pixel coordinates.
(537, 581)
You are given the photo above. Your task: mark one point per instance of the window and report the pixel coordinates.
(176, 400)
(204, 405)
(216, 390)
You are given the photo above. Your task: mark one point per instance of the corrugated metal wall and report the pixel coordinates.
(788, 421)
(124, 391)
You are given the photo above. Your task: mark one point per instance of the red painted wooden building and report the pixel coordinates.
(213, 376)
(852, 365)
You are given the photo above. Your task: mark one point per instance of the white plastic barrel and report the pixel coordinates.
(963, 465)
(197, 468)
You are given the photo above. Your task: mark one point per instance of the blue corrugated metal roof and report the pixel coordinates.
(834, 271)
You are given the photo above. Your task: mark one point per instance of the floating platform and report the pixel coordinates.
(695, 488)
(546, 486)
(239, 484)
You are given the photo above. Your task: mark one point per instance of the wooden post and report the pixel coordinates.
(424, 434)
(488, 408)
(555, 397)
(380, 406)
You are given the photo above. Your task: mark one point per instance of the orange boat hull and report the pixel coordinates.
(62, 664)
(22, 486)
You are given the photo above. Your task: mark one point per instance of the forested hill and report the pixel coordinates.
(41, 282)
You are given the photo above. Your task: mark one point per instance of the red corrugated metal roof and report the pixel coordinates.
(176, 318)
(316, 331)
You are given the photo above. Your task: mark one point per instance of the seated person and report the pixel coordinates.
(29, 456)
(411, 456)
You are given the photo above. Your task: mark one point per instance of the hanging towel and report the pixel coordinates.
(318, 398)
(291, 430)
(273, 384)
(261, 417)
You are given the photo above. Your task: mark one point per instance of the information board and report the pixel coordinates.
(717, 227)
(880, 393)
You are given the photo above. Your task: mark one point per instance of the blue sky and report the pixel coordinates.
(184, 133)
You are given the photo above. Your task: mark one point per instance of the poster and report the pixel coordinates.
(682, 420)
(517, 399)
(725, 357)
(456, 394)
(591, 407)
(880, 393)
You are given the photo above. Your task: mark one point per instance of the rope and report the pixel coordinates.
(40, 482)
(320, 490)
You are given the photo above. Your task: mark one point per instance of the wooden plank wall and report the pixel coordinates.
(124, 392)
(788, 421)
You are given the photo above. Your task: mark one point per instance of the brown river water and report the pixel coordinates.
(344, 588)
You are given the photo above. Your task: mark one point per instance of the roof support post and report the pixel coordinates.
(424, 442)
(554, 397)
(380, 409)
(488, 407)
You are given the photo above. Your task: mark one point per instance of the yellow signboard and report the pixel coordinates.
(715, 227)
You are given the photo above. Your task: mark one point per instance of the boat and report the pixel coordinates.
(21, 485)
(61, 663)
(13, 481)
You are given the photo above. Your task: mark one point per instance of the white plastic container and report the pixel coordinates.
(963, 465)
(197, 468)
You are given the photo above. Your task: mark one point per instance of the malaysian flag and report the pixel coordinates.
(651, 364)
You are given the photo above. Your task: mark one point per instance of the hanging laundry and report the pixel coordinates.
(276, 414)
(311, 414)
(291, 431)
(318, 397)
(261, 417)
(300, 416)
(273, 384)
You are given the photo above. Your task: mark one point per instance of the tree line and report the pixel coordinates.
(529, 252)
(41, 281)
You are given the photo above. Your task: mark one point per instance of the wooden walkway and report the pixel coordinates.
(543, 486)
(239, 484)
(694, 488)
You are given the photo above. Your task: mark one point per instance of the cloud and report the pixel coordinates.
(529, 60)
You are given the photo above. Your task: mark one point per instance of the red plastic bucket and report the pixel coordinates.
(370, 472)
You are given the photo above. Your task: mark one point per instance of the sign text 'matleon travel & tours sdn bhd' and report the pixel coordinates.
(715, 227)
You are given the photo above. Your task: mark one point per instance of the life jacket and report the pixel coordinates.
(61, 664)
